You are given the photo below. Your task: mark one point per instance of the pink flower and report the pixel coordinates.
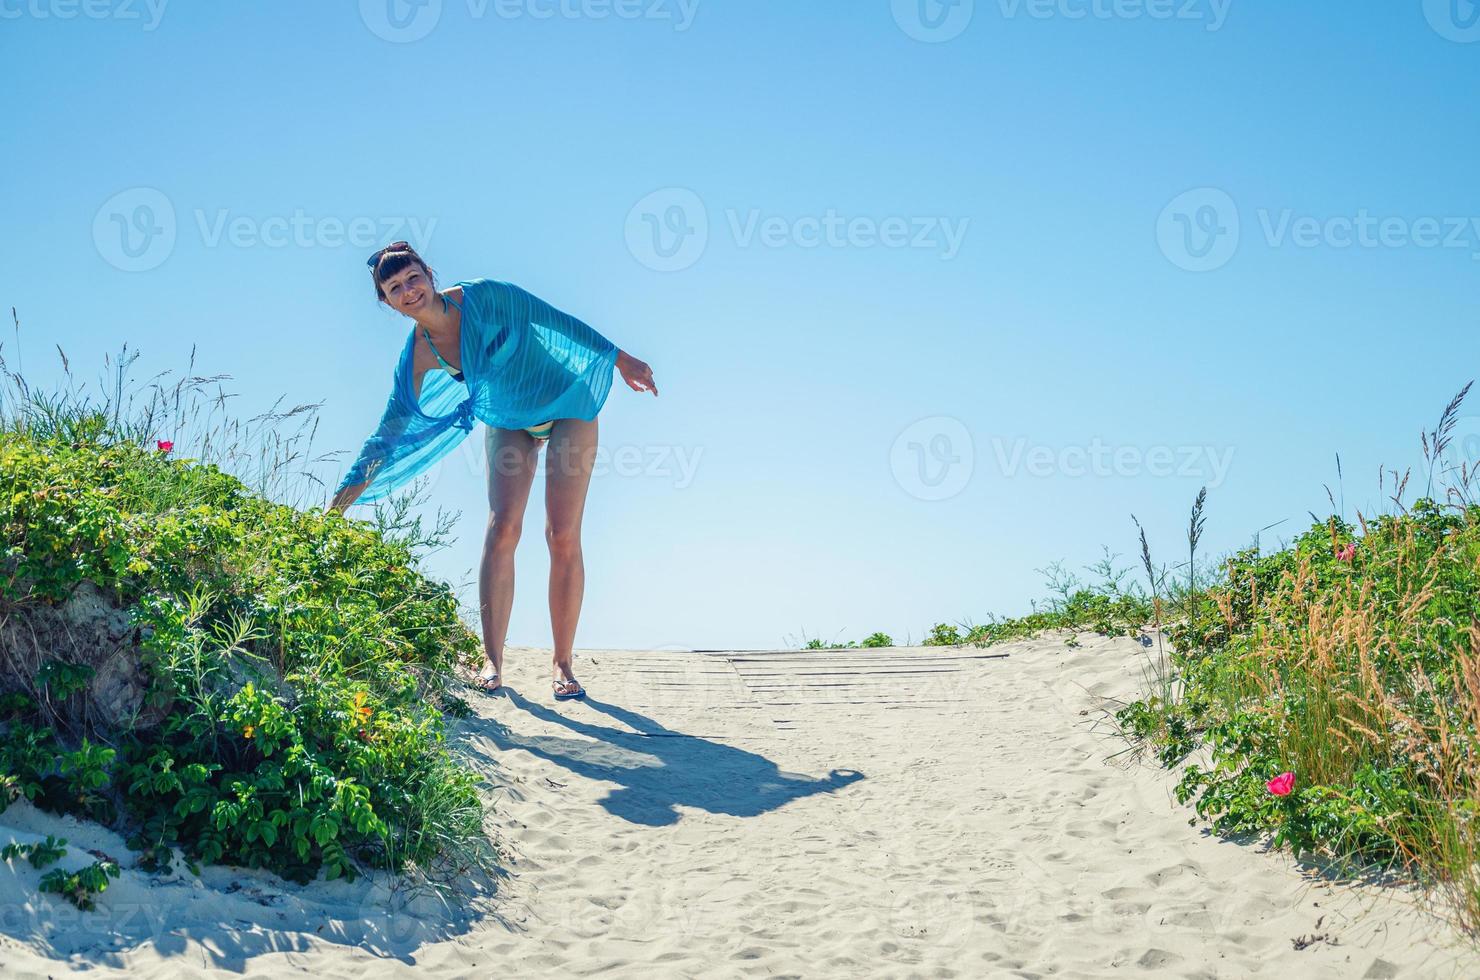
(1282, 784)
(1346, 551)
(164, 445)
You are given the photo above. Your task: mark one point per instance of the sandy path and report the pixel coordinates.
(911, 812)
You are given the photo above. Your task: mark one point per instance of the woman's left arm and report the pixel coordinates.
(637, 374)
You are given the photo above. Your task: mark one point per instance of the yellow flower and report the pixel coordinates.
(247, 732)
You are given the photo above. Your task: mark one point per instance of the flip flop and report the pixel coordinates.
(562, 692)
(488, 683)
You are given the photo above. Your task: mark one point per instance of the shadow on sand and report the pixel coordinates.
(220, 922)
(659, 770)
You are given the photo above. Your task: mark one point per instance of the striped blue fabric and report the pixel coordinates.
(524, 362)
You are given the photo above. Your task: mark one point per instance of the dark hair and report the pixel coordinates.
(392, 260)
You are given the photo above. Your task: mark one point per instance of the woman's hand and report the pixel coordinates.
(637, 374)
(345, 498)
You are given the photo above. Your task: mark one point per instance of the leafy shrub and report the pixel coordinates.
(1351, 659)
(871, 641)
(1107, 606)
(62, 680)
(80, 887)
(942, 635)
(49, 851)
(296, 666)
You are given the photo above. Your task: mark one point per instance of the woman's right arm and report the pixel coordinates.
(392, 424)
(345, 498)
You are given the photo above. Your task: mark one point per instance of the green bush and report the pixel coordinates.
(873, 640)
(297, 664)
(1352, 660)
(80, 887)
(49, 851)
(942, 635)
(1107, 606)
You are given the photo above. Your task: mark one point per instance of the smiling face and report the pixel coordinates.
(409, 290)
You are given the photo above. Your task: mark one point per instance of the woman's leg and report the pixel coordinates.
(568, 464)
(512, 457)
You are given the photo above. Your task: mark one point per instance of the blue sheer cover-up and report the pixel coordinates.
(524, 362)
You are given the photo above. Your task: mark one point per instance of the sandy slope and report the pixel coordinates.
(912, 812)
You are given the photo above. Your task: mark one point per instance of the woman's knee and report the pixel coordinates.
(564, 539)
(503, 532)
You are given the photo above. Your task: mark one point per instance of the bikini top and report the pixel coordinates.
(456, 374)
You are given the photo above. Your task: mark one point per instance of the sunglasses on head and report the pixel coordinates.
(392, 247)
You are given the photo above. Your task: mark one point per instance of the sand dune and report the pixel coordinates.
(906, 812)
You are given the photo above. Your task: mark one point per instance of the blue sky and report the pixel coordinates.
(933, 295)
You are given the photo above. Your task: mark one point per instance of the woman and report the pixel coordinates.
(537, 377)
